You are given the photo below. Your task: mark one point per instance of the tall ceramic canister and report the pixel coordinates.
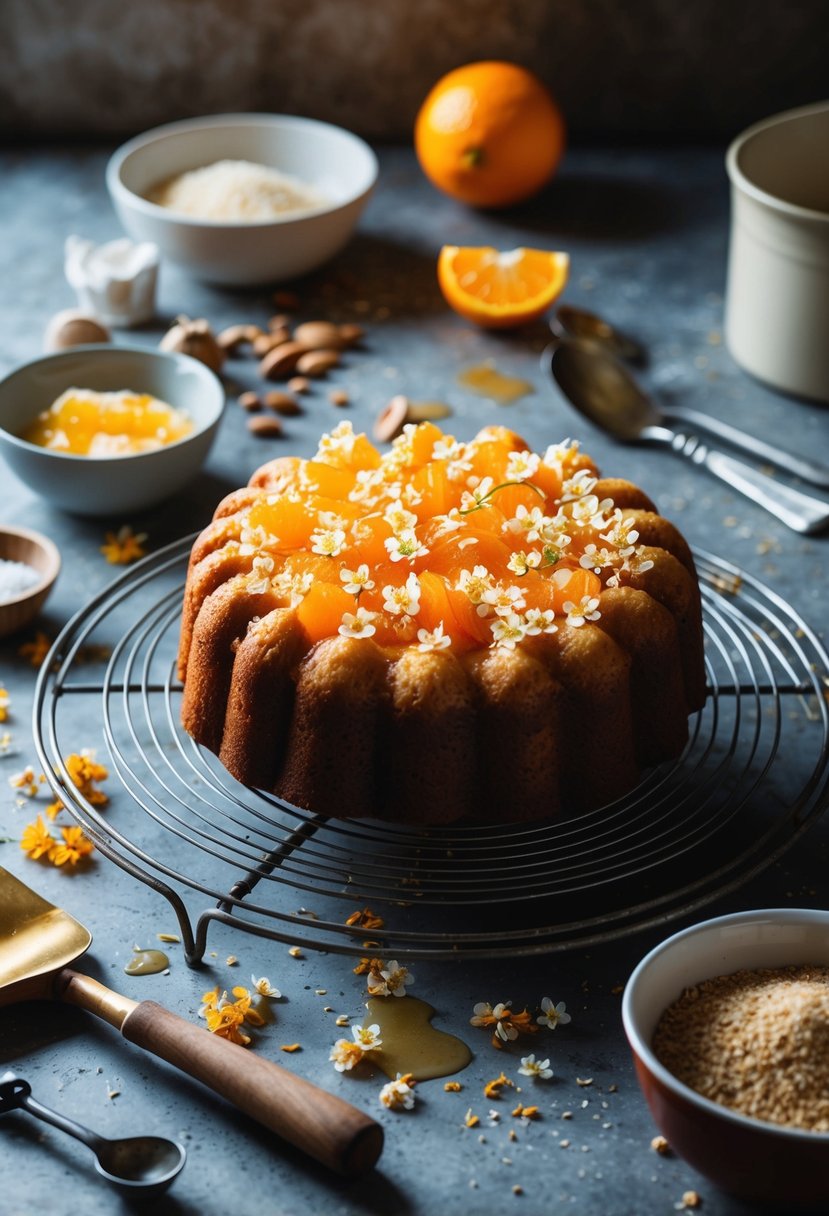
(777, 295)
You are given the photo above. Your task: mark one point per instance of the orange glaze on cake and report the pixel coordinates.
(457, 551)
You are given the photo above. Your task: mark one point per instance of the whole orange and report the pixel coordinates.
(489, 134)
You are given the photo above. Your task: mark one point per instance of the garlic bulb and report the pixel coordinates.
(194, 338)
(71, 327)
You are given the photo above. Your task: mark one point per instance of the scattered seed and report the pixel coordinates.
(299, 384)
(231, 960)
(291, 1047)
(660, 1145)
(338, 396)
(295, 952)
(316, 362)
(250, 401)
(341, 1020)
(264, 428)
(391, 419)
(168, 937)
(453, 1087)
(321, 991)
(517, 1190)
(282, 403)
(584, 1081)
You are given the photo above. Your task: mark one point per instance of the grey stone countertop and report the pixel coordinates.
(647, 234)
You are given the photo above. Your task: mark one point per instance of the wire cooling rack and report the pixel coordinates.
(753, 777)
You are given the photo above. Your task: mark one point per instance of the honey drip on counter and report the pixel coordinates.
(410, 1042)
(485, 379)
(147, 962)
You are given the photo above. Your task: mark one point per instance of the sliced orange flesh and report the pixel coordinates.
(501, 289)
(458, 550)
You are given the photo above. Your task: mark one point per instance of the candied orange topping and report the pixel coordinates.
(438, 544)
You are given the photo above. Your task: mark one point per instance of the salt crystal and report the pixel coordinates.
(15, 579)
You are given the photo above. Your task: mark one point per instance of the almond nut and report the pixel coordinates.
(265, 426)
(237, 335)
(266, 343)
(319, 335)
(316, 362)
(350, 333)
(281, 321)
(299, 384)
(250, 401)
(283, 403)
(338, 396)
(391, 419)
(282, 360)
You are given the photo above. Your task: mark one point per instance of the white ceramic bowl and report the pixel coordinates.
(37, 551)
(334, 161)
(114, 484)
(756, 1160)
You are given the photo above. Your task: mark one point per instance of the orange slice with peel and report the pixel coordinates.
(501, 289)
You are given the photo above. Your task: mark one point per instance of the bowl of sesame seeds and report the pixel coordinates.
(728, 1022)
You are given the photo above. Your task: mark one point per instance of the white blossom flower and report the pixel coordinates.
(332, 520)
(437, 640)
(367, 1036)
(553, 1015)
(587, 609)
(263, 987)
(474, 584)
(557, 453)
(477, 494)
(345, 1055)
(481, 1012)
(621, 533)
(449, 522)
(295, 586)
(531, 522)
(328, 542)
(259, 579)
(26, 781)
(355, 581)
(398, 1094)
(540, 1069)
(358, 624)
(521, 562)
(390, 981)
(214, 1001)
(399, 519)
(403, 600)
(538, 621)
(405, 545)
(503, 600)
(507, 630)
(588, 512)
(578, 486)
(337, 447)
(522, 465)
(596, 559)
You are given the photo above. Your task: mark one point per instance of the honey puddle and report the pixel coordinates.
(410, 1042)
(147, 962)
(484, 378)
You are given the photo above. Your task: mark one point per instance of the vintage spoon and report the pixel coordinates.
(604, 391)
(143, 1164)
(578, 325)
(584, 326)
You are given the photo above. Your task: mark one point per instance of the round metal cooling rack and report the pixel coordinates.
(753, 777)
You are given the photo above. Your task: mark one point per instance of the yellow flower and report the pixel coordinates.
(123, 546)
(26, 781)
(227, 1023)
(36, 650)
(493, 1088)
(37, 840)
(366, 919)
(399, 1094)
(75, 846)
(367, 965)
(5, 702)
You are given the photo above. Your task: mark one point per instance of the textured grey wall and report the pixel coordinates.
(640, 68)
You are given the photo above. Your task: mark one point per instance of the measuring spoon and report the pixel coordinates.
(145, 1164)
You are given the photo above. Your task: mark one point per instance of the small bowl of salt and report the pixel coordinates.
(29, 565)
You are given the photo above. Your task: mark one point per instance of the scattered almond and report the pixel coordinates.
(320, 335)
(282, 403)
(238, 335)
(267, 342)
(281, 321)
(250, 401)
(350, 333)
(660, 1145)
(338, 396)
(282, 360)
(299, 384)
(391, 419)
(265, 427)
(314, 362)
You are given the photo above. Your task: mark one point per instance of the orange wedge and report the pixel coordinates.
(501, 289)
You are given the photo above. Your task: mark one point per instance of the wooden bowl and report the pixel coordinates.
(23, 545)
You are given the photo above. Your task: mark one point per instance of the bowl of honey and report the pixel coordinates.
(102, 430)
